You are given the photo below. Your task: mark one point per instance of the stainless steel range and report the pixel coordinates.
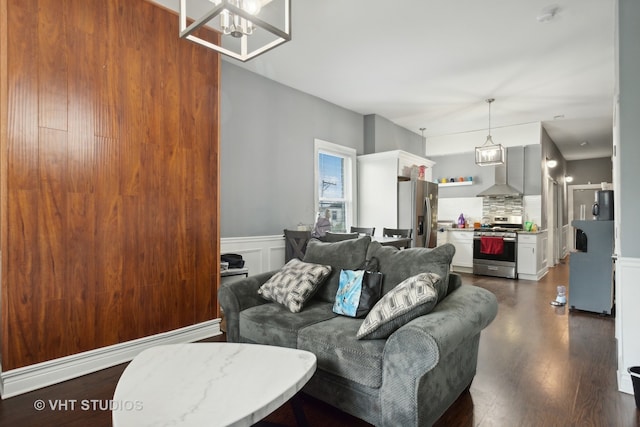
(495, 248)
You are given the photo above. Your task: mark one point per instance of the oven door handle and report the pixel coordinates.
(506, 239)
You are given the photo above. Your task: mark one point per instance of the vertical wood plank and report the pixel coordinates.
(4, 197)
(21, 278)
(52, 66)
(52, 206)
(22, 126)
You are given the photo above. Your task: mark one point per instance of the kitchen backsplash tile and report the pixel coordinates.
(502, 206)
(476, 208)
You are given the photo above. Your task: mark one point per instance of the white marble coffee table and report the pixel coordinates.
(208, 384)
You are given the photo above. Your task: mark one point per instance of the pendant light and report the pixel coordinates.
(489, 153)
(241, 29)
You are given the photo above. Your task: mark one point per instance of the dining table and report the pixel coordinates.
(398, 242)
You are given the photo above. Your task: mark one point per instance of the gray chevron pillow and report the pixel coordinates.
(414, 297)
(294, 284)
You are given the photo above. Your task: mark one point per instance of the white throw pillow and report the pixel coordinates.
(295, 284)
(414, 297)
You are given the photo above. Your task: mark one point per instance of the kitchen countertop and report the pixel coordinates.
(471, 229)
(532, 232)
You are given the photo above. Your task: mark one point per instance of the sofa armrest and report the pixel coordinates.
(462, 314)
(240, 295)
(419, 346)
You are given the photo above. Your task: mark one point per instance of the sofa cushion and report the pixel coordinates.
(294, 284)
(273, 324)
(414, 297)
(397, 265)
(345, 255)
(339, 352)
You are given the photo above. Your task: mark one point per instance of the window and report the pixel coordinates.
(334, 177)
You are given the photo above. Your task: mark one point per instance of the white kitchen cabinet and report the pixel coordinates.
(463, 241)
(378, 176)
(442, 237)
(532, 256)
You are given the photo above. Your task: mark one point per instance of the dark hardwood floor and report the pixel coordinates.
(538, 366)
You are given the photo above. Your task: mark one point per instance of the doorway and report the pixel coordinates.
(552, 223)
(581, 199)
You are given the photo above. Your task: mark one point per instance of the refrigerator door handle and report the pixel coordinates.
(427, 216)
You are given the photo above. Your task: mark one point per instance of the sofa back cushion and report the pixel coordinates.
(346, 255)
(398, 265)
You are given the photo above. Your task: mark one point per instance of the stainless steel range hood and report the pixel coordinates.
(500, 188)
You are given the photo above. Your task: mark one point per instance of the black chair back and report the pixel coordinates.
(396, 232)
(338, 237)
(363, 231)
(295, 244)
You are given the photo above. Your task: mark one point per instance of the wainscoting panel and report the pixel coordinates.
(627, 319)
(260, 253)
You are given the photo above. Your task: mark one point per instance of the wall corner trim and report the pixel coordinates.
(32, 377)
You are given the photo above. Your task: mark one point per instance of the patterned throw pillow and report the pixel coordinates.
(414, 297)
(294, 284)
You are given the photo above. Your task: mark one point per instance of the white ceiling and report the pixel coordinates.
(432, 64)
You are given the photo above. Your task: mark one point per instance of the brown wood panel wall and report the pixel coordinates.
(110, 154)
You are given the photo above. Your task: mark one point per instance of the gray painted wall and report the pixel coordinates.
(592, 171)
(383, 135)
(629, 149)
(267, 145)
(267, 137)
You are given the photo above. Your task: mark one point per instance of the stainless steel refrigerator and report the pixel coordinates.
(418, 211)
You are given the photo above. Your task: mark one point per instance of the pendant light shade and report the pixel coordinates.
(489, 153)
(241, 29)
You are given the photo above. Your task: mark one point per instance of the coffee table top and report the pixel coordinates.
(212, 384)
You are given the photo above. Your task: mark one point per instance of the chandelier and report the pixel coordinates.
(236, 25)
(489, 153)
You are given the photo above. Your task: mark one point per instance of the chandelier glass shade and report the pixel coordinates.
(241, 29)
(490, 153)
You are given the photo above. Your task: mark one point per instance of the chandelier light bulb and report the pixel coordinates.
(252, 6)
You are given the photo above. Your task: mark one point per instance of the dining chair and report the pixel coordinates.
(295, 244)
(338, 237)
(363, 231)
(396, 232)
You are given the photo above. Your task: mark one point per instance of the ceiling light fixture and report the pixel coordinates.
(552, 163)
(568, 178)
(236, 31)
(489, 153)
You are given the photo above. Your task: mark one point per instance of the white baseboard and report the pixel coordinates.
(624, 382)
(32, 377)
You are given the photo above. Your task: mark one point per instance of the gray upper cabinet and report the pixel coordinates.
(532, 170)
(516, 168)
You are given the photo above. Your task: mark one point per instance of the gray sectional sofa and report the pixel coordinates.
(409, 378)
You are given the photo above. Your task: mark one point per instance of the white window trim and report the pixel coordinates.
(350, 184)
